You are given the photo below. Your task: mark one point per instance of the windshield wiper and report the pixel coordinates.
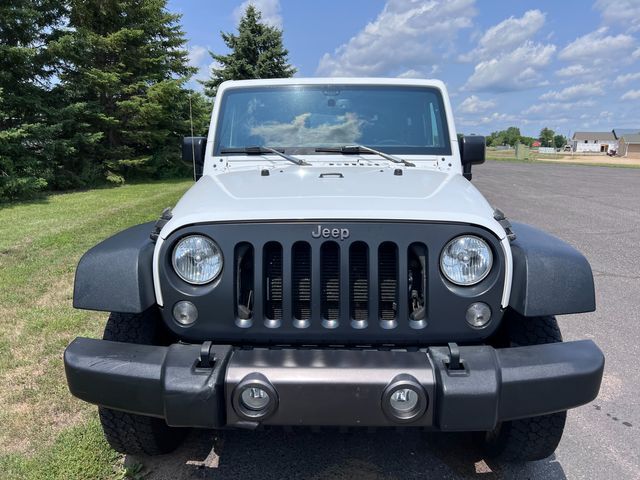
(355, 149)
(261, 151)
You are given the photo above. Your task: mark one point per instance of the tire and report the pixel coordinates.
(526, 439)
(126, 432)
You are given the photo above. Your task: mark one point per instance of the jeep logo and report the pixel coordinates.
(341, 233)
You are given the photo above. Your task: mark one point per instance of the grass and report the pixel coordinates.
(45, 432)
(508, 156)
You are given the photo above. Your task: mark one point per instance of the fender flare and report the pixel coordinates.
(116, 275)
(550, 277)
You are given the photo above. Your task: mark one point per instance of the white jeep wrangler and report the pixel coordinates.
(333, 265)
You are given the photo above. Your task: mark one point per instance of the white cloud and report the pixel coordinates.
(620, 12)
(626, 78)
(497, 117)
(516, 70)
(407, 35)
(596, 47)
(549, 107)
(636, 54)
(574, 92)
(270, 10)
(576, 70)
(197, 53)
(507, 35)
(473, 104)
(631, 95)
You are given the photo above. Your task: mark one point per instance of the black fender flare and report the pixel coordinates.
(550, 277)
(117, 274)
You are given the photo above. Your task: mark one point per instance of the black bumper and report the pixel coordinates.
(334, 387)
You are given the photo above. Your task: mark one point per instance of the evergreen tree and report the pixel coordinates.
(257, 51)
(26, 150)
(122, 76)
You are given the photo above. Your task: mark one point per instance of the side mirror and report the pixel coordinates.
(193, 149)
(472, 151)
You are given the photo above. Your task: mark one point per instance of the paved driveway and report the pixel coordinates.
(597, 210)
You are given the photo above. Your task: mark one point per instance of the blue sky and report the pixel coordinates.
(565, 64)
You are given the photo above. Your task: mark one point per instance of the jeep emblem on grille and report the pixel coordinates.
(324, 232)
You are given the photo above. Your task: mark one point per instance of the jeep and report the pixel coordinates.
(334, 266)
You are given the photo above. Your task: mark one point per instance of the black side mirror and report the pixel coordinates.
(193, 149)
(472, 151)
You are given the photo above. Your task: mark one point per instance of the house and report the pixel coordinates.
(620, 132)
(536, 143)
(629, 145)
(594, 142)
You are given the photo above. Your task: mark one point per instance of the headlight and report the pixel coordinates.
(466, 260)
(197, 259)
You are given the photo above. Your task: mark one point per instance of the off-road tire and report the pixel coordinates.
(126, 432)
(534, 438)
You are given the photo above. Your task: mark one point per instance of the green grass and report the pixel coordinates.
(46, 433)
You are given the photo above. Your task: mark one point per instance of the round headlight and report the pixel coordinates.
(466, 260)
(197, 259)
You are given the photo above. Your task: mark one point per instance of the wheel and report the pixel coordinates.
(126, 432)
(534, 438)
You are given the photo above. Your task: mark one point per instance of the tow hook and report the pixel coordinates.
(455, 365)
(207, 357)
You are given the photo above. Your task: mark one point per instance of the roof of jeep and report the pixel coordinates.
(334, 81)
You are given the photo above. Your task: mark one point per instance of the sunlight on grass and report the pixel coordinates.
(45, 432)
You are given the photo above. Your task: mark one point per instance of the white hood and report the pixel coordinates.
(333, 193)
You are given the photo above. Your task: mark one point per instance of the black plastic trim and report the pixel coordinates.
(116, 275)
(550, 277)
(446, 304)
(335, 386)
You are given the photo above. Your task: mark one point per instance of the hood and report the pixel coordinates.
(333, 193)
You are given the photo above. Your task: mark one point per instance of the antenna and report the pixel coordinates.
(193, 147)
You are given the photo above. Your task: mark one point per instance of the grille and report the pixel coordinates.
(301, 277)
(331, 283)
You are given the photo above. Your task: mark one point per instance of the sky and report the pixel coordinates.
(569, 65)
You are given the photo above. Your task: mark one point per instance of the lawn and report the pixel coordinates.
(44, 432)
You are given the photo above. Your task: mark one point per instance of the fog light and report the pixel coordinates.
(185, 313)
(478, 315)
(404, 399)
(254, 398)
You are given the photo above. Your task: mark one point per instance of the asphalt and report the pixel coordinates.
(597, 210)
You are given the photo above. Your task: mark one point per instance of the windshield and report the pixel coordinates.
(301, 118)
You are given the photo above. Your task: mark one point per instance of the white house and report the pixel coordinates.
(594, 142)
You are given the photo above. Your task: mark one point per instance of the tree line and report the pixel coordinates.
(511, 136)
(95, 91)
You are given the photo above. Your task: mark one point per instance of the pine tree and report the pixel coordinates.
(123, 75)
(26, 29)
(257, 51)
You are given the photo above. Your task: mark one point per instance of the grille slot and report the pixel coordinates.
(388, 282)
(301, 279)
(359, 282)
(330, 283)
(244, 284)
(417, 284)
(272, 258)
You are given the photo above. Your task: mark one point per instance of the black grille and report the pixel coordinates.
(301, 277)
(330, 283)
(359, 281)
(388, 280)
(273, 280)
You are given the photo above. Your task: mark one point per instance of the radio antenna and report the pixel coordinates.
(193, 147)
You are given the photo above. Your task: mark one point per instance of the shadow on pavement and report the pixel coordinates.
(384, 454)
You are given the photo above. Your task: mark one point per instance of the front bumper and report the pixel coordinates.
(336, 387)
